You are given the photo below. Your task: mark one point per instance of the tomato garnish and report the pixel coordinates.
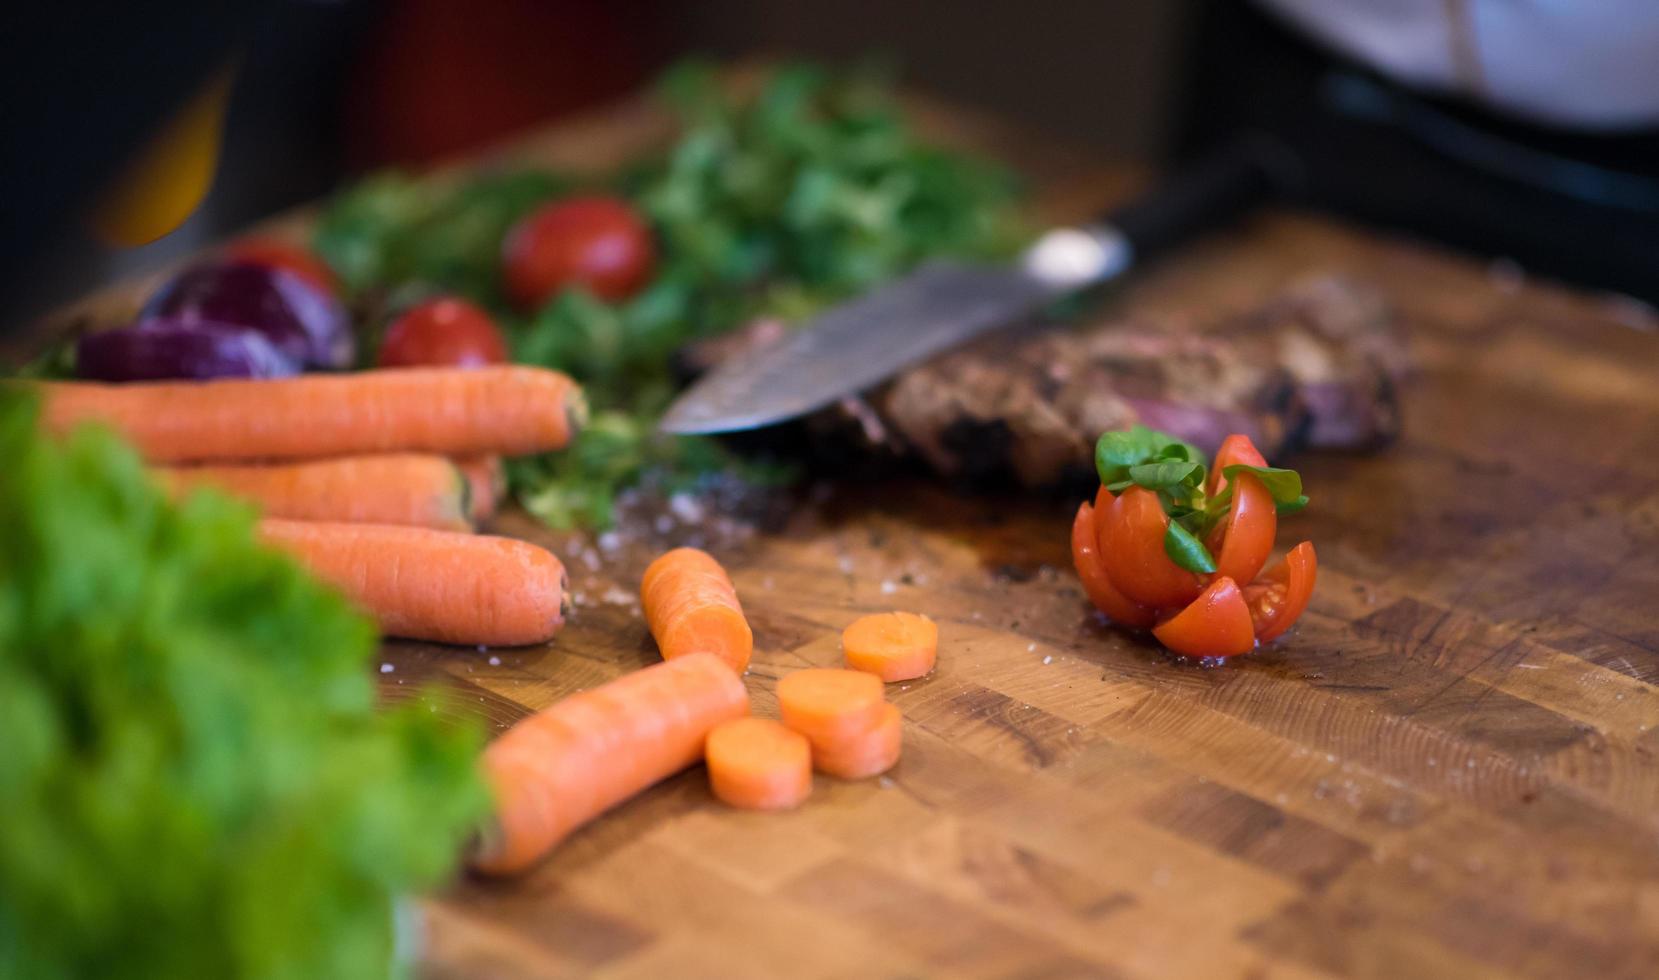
(1235, 450)
(1216, 624)
(1085, 555)
(1131, 533)
(1243, 541)
(1279, 597)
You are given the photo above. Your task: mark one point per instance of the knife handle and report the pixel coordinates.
(1215, 189)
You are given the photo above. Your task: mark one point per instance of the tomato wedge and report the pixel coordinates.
(1216, 624)
(1235, 449)
(1242, 543)
(1131, 533)
(1085, 555)
(1278, 598)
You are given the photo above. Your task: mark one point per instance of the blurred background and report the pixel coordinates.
(325, 89)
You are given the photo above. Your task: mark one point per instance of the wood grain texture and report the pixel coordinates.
(1447, 770)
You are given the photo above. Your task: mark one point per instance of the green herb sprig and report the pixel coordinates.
(1178, 473)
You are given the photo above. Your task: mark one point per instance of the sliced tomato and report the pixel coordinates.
(1131, 533)
(1279, 597)
(1216, 624)
(1235, 449)
(1085, 555)
(1242, 542)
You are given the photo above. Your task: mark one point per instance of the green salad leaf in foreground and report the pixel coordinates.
(775, 205)
(195, 780)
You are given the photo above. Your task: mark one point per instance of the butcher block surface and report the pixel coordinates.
(1447, 769)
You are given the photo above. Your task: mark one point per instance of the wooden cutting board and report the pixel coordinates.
(1447, 770)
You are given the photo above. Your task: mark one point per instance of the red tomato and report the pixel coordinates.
(1131, 533)
(597, 242)
(1216, 624)
(1279, 597)
(290, 258)
(1237, 448)
(442, 332)
(1085, 555)
(1242, 542)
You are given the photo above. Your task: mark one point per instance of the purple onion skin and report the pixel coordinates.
(301, 321)
(161, 350)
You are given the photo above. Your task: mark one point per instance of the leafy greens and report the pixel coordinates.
(196, 780)
(776, 205)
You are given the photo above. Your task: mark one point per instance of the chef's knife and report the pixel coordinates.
(942, 304)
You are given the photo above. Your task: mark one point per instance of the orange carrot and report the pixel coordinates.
(453, 411)
(691, 606)
(486, 484)
(827, 705)
(434, 585)
(758, 764)
(565, 765)
(868, 753)
(407, 488)
(895, 646)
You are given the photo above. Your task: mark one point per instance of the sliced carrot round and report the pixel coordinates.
(758, 764)
(1085, 556)
(1279, 597)
(894, 646)
(826, 704)
(868, 753)
(1216, 624)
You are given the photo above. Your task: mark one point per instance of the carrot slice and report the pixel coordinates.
(486, 485)
(868, 753)
(829, 705)
(433, 585)
(407, 488)
(691, 607)
(453, 411)
(895, 646)
(565, 765)
(758, 764)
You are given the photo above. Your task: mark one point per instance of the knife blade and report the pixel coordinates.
(940, 305)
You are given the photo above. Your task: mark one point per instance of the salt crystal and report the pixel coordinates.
(885, 783)
(495, 661)
(846, 564)
(386, 668)
(616, 596)
(590, 558)
(610, 541)
(888, 588)
(1048, 659)
(664, 524)
(1031, 648)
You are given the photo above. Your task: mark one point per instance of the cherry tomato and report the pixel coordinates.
(1235, 449)
(596, 242)
(291, 258)
(1216, 624)
(442, 332)
(1131, 533)
(1242, 542)
(1279, 597)
(1085, 555)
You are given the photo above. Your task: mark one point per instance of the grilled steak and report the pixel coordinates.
(1316, 366)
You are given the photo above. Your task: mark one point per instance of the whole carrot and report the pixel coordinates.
(453, 411)
(486, 483)
(434, 585)
(559, 768)
(691, 607)
(405, 488)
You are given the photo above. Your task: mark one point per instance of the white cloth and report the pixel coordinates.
(1586, 63)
